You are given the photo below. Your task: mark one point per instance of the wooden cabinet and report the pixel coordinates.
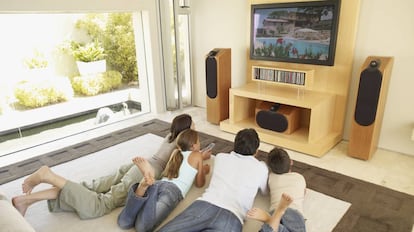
(315, 134)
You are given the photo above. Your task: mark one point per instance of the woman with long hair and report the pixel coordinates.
(101, 195)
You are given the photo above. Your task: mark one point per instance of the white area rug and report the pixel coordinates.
(322, 212)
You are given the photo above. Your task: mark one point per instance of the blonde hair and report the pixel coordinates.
(185, 141)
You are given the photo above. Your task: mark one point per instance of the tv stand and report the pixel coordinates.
(315, 136)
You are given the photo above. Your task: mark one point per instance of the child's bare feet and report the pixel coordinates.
(148, 173)
(284, 203)
(20, 204)
(274, 220)
(34, 179)
(258, 214)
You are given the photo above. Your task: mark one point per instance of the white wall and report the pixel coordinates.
(218, 24)
(385, 29)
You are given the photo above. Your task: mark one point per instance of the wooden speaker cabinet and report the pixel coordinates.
(277, 117)
(218, 83)
(369, 107)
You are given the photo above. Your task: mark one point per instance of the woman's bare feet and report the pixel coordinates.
(147, 171)
(20, 204)
(34, 179)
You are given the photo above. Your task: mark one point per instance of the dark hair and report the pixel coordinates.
(278, 161)
(179, 123)
(185, 140)
(246, 142)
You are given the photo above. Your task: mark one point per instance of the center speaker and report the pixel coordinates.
(218, 83)
(277, 117)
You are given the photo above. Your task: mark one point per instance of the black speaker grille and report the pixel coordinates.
(368, 96)
(211, 76)
(271, 120)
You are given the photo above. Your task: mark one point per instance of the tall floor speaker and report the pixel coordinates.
(369, 107)
(218, 83)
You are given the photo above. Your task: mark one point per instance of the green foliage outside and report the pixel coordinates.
(38, 60)
(94, 84)
(89, 52)
(43, 91)
(115, 32)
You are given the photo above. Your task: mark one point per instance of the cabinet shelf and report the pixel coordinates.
(315, 135)
(282, 76)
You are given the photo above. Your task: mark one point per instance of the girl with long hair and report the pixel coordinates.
(150, 202)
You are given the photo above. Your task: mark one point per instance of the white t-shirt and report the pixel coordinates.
(235, 181)
(291, 183)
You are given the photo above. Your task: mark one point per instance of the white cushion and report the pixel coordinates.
(11, 220)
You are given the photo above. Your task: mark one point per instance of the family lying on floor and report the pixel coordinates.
(151, 188)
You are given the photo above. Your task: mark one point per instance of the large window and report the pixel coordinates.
(44, 85)
(175, 27)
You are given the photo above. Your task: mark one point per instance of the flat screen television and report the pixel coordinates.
(297, 32)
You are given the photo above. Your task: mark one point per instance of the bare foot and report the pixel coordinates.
(142, 188)
(274, 220)
(34, 179)
(146, 169)
(284, 203)
(20, 204)
(258, 214)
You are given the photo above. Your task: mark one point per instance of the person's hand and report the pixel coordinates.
(206, 169)
(206, 154)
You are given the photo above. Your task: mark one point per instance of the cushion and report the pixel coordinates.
(11, 219)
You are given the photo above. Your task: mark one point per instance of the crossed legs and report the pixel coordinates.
(272, 220)
(42, 175)
(147, 171)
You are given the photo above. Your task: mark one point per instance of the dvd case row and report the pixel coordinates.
(289, 77)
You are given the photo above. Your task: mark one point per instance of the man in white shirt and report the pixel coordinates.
(236, 178)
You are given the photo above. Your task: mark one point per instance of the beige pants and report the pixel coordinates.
(101, 196)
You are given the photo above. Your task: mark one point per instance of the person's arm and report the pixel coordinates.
(206, 154)
(196, 160)
(263, 181)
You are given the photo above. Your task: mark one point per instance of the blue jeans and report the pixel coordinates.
(203, 216)
(291, 221)
(147, 212)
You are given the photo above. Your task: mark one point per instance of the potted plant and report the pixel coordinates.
(90, 57)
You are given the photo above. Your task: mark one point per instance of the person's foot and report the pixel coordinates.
(20, 204)
(258, 214)
(34, 179)
(284, 203)
(147, 171)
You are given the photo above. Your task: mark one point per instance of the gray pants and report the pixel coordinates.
(99, 197)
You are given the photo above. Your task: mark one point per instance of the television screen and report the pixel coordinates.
(298, 32)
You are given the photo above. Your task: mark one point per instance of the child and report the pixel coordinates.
(149, 202)
(287, 192)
